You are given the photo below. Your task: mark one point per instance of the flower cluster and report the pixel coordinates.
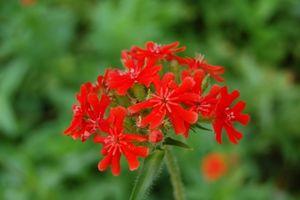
(131, 111)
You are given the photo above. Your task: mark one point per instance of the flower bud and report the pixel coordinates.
(156, 136)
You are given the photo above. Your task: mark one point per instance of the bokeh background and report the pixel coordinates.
(49, 47)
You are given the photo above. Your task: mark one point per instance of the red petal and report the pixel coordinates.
(115, 164)
(119, 81)
(214, 91)
(133, 162)
(243, 119)
(139, 151)
(187, 84)
(93, 100)
(150, 45)
(104, 163)
(171, 45)
(189, 98)
(239, 107)
(147, 75)
(104, 103)
(226, 98)
(186, 115)
(217, 126)
(99, 139)
(117, 116)
(135, 137)
(140, 106)
(155, 119)
(74, 124)
(167, 78)
(177, 123)
(233, 134)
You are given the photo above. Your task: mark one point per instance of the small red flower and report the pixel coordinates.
(88, 115)
(155, 136)
(28, 2)
(200, 63)
(207, 103)
(116, 143)
(142, 72)
(226, 115)
(167, 102)
(214, 166)
(156, 51)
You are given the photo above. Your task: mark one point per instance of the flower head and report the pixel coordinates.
(167, 101)
(156, 51)
(142, 72)
(116, 142)
(200, 63)
(226, 115)
(157, 103)
(207, 102)
(88, 114)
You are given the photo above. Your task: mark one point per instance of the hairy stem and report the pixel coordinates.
(147, 174)
(173, 168)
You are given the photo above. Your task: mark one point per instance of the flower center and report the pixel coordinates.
(114, 142)
(204, 107)
(199, 58)
(229, 114)
(134, 73)
(164, 99)
(156, 48)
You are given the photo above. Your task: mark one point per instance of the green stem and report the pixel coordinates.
(147, 174)
(173, 168)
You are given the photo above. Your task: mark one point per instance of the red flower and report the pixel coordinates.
(28, 2)
(142, 72)
(226, 115)
(155, 136)
(207, 103)
(167, 102)
(88, 115)
(156, 51)
(199, 63)
(213, 166)
(116, 142)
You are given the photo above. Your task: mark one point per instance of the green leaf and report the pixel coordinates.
(147, 174)
(173, 142)
(202, 127)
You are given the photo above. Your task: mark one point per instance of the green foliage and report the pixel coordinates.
(49, 48)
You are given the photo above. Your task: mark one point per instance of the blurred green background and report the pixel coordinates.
(49, 47)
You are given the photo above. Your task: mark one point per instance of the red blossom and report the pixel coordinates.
(207, 102)
(177, 102)
(167, 101)
(156, 51)
(226, 115)
(28, 2)
(155, 136)
(116, 143)
(142, 72)
(88, 115)
(200, 63)
(214, 166)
